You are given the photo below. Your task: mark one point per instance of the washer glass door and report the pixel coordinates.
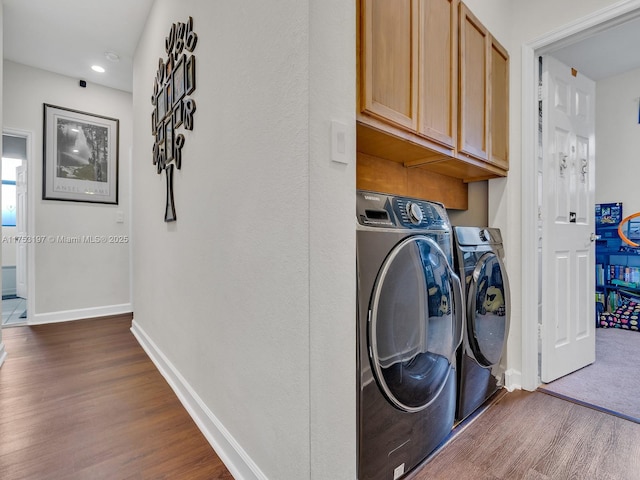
(413, 329)
(488, 307)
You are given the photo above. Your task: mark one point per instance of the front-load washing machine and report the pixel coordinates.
(409, 326)
(479, 260)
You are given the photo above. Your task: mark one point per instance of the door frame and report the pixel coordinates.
(31, 221)
(570, 33)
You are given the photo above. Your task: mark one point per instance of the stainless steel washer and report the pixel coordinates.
(409, 322)
(479, 255)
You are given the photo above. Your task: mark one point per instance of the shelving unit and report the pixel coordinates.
(617, 265)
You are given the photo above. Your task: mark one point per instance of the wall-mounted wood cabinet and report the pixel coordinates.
(499, 106)
(484, 94)
(409, 67)
(433, 88)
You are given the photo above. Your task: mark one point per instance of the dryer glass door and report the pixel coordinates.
(412, 331)
(488, 308)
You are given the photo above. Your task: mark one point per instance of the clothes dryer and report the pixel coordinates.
(409, 326)
(479, 260)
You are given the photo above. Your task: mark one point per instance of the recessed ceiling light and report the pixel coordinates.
(97, 68)
(112, 56)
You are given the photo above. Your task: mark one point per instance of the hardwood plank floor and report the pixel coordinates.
(81, 400)
(534, 436)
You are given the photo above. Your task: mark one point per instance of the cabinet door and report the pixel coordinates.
(390, 53)
(499, 94)
(438, 92)
(473, 137)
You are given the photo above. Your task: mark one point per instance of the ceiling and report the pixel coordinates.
(608, 53)
(69, 36)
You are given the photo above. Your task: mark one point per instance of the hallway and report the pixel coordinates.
(81, 400)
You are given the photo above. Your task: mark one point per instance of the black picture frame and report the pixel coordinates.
(190, 75)
(168, 139)
(161, 105)
(179, 86)
(168, 96)
(154, 121)
(80, 156)
(177, 115)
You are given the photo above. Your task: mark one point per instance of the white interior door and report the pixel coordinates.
(21, 231)
(568, 197)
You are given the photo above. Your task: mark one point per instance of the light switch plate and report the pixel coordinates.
(119, 216)
(339, 142)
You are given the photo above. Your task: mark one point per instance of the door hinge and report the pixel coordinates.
(540, 331)
(540, 91)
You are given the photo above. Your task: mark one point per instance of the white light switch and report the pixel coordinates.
(119, 216)
(339, 142)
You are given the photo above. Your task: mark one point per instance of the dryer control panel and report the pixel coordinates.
(381, 210)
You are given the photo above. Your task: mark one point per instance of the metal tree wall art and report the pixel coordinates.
(173, 108)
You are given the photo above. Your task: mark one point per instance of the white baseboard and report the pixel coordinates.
(512, 380)
(3, 354)
(239, 463)
(80, 314)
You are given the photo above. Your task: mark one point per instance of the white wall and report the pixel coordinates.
(9, 249)
(618, 140)
(476, 213)
(332, 308)
(250, 296)
(71, 278)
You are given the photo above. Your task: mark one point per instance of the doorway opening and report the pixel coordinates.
(533, 231)
(15, 237)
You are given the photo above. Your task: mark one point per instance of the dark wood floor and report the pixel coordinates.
(81, 400)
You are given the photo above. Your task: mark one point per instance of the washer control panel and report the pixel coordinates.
(419, 213)
(381, 210)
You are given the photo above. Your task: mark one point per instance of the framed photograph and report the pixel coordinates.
(160, 105)
(178, 80)
(168, 95)
(80, 156)
(177, 115)
(154, 122)
(169, 139)
(190, 75)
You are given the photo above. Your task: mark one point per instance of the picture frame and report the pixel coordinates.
(80, 158)
(190, 75)
(154, 121)
(161, 105)
(168, 96)
(177, 115)
(169, 139)
(179, 86)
